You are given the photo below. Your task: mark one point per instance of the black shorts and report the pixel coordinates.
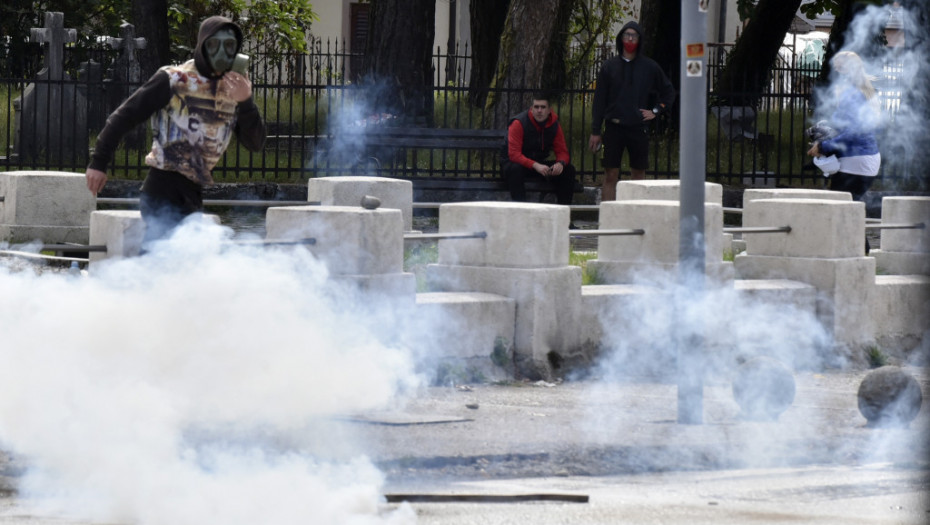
(634, 139)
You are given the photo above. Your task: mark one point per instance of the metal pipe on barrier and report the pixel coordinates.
(82, 248)
(598, 233)
(442, 236)
(32, 255)
(217, 202)
(898, 226)
(65, 248)
(759, 229)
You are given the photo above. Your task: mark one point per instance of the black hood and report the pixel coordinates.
(208, 28)
(635, 27)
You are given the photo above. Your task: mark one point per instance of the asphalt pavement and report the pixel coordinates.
(619, 446)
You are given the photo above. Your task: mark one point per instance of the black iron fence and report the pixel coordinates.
(308, 100)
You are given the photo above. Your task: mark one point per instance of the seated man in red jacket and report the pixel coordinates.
(531, 137)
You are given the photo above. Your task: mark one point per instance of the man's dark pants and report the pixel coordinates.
(167, 197)
(516, 176)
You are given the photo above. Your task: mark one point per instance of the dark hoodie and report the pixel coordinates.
(624, 87)
(192, 119)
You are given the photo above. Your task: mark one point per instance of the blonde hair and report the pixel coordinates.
(849, 65)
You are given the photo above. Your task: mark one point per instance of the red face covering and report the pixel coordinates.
(630, 47)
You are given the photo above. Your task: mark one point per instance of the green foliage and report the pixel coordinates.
(502, 355)
(593, 24)
(876, 357)
(417, 256)
(279, 27)
(450, 373)
(581, 259)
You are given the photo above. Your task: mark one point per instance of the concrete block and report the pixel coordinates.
(519, 234)
(348, 191)
(901, 310)
(796, 295)
(906, 210)
(661, 221)
(548, 307)
(399, 287)
(49, 206)
(901, 263)
(121, 231)
(643, 272)
(465, 324)
(845, 289)
(751, 194)
(349, 240)
(621, 300)
(819, 228)
(664, 190)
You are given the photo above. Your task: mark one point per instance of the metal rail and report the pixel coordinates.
(598, 233)
(896, 226)
(31, 255)
(216, 202)
(443, 236)
(86, 248)
(758, 229)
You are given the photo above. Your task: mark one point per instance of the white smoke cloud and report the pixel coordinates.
(193, 385)
(898, 81)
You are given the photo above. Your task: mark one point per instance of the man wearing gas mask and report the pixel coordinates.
(195, 109)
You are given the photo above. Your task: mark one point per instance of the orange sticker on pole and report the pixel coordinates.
(694, 50)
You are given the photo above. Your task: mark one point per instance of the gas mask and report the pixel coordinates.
(220, 50)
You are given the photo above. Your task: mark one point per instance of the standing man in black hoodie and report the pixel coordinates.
(631, 90)
(195, 108)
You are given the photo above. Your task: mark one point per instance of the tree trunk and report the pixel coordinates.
(741, 81)
(150, 18)
(487, 24)
(531, 57)
(399, 73)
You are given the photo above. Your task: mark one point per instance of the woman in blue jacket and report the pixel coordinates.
(856, 119)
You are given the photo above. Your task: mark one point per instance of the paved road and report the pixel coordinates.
(619, 443)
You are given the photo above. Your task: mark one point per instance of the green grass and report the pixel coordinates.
(581, 259)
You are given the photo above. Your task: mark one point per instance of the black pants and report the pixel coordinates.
(167, 198)
(516, 177)
(857, 185)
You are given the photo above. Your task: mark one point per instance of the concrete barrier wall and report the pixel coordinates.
(46, 206)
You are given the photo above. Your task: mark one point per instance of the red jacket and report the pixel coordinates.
(529, 141)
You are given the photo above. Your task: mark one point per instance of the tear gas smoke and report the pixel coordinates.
(899, 82)
(160, 389)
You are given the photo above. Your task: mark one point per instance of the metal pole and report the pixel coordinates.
(758, 229)
(597, 233)
(895, 226)
(129, 201)
(425, 236)
(691, 246)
